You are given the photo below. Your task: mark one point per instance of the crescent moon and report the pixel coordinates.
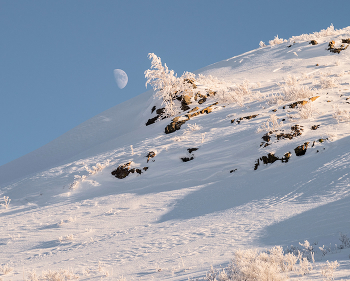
(121, 78)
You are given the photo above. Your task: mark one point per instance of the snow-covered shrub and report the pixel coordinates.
(271, 124)
(191, 128)
(328, 270)
(308, 250)
(306, 111)
(296, 92)
(236, 93)
(262, 44)
(166, 84)
(345, 241)
(276, 41)
(328, 82)
(60, 275)
(291, 80)
(275, 98)
(6, 202)
(6, 269)
(341, 115)
(323, 33)
(163, 81)
(249, 265)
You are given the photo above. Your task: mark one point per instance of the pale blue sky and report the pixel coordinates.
(57, 57)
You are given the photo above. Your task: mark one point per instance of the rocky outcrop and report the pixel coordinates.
(271, 158)
(160, 112)
(124, 170)
(301, 149)
(174, 126)
(333, 49)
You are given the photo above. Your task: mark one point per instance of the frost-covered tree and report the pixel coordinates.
(163, 81)
(167, 85)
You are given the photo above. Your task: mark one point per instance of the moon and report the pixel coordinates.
(121, 78)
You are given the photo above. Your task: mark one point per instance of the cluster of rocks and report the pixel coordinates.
(191, 157)
(242, 118)
(176, 123)
(333, 49)
(271, 158)
(125, 169)
(296, 131)
(302, 102)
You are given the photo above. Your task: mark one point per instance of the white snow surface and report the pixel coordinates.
(175, 220)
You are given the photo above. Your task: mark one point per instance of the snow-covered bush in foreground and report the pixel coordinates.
(60, 275)
(252, 265)
(249, 265)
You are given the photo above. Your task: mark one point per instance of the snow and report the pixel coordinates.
(177, 219)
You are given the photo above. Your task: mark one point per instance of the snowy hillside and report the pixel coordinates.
(249, 153)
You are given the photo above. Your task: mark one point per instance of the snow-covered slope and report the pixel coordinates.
(176, 219)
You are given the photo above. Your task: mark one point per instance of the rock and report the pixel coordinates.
(266, 137)
(153, 108)
(193, 109)
(206, 110)
(301, 149)
(346, 41)
(286, 157)
(202, 100)
(186, 159)
(190, 150)
(186, 99)
(331, 45)
(314, 98)
(160, 111)
(152, 120)
(211, 93)
(174, 126)
(245, 117)
(122, 171)
(313, 42)
(189, 116)
(234, 170)
(150, 155)
(271, 158)
(295, 104)
(315, 127)
(333, 49)
(145, 168)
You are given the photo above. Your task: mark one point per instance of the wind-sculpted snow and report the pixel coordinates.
(177, 218)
